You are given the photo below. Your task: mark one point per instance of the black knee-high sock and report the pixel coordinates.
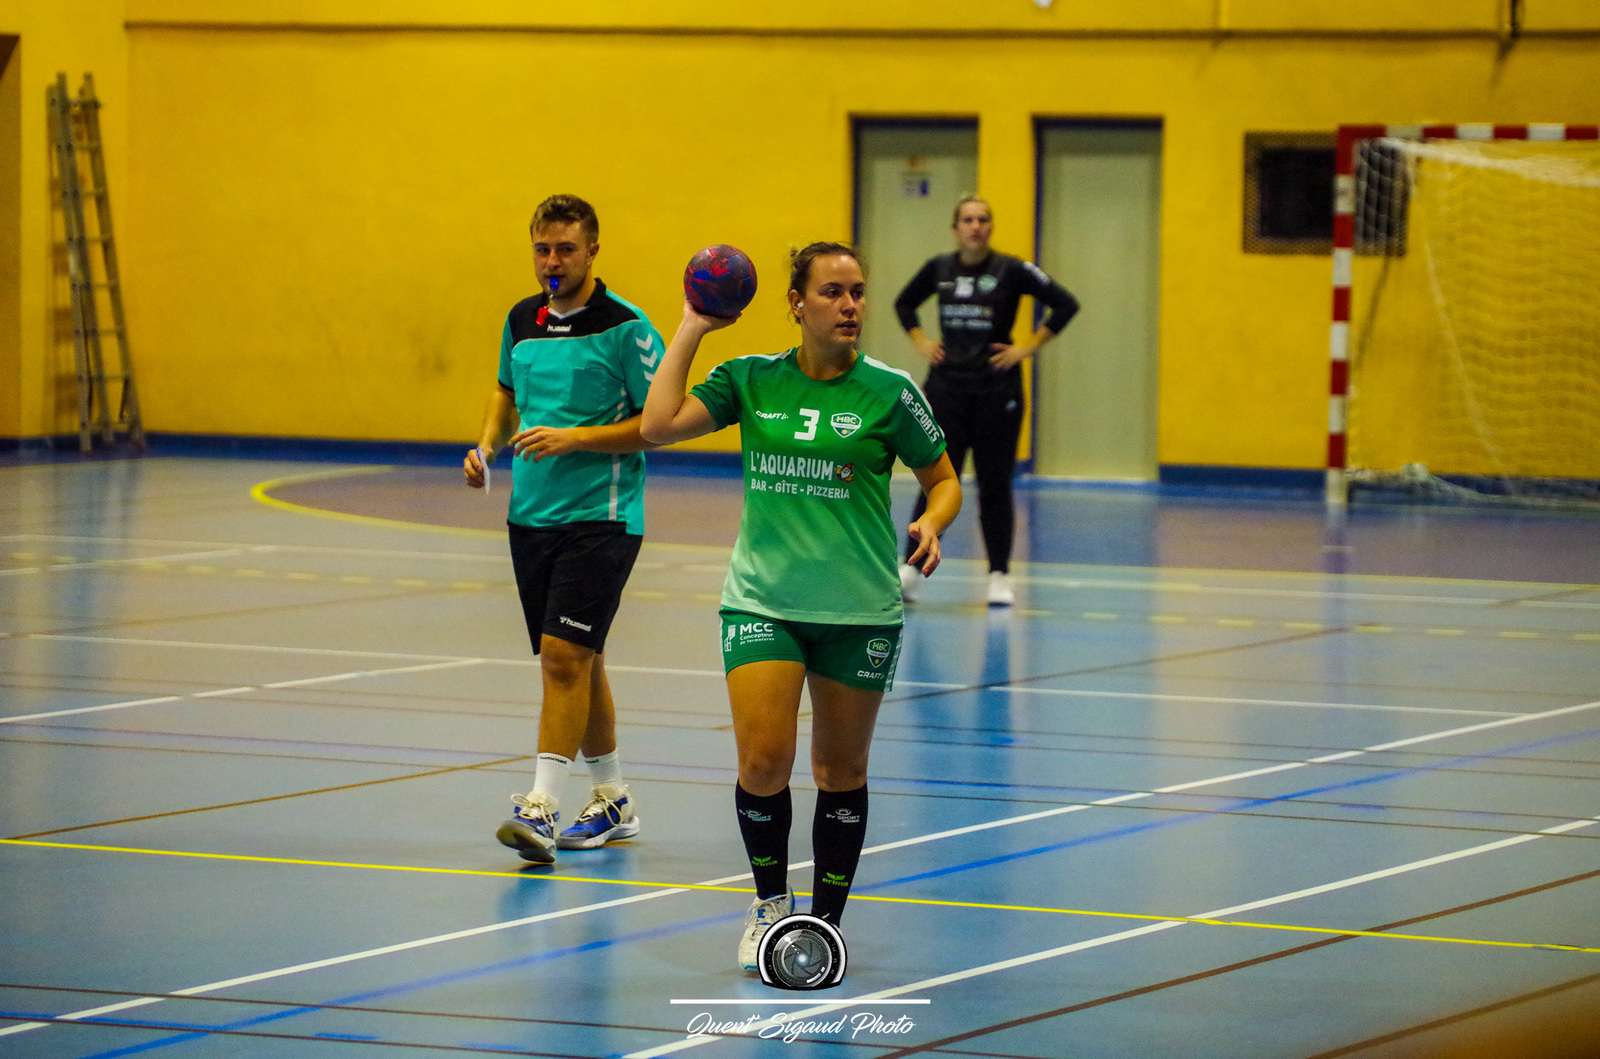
(764, 824)
(838, 831)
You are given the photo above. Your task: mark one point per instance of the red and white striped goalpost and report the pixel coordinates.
(1344, 245)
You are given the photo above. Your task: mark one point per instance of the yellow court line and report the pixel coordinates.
(371, 867)
(1367, 628)
(1231, 923)
(1302, 575)
(1331, 931)
(259, 493)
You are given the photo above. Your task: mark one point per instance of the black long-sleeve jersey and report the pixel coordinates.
(978, 304)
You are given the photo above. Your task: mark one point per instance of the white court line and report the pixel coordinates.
(1196, 589)
(221, 692)
(1223, 700)
(95, 564)
(717, 673)
(333, 961)
(1018, 961)
(212, 987)
(1191, 587)
(1343, 755)
(1215, 699)
(1126, 935)
(496, 555)
(264, 648)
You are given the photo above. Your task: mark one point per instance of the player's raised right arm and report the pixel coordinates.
(671, 413)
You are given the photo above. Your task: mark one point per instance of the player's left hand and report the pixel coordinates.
(1005, 357)
(537, 443)
(926, 557)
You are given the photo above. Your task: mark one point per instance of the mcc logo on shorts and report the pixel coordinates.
(748, 632)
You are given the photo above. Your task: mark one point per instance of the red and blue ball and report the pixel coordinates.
(719, 281)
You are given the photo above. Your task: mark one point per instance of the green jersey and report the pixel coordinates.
(590, 367)
(815, 541)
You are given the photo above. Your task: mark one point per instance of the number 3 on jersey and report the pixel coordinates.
(811, 416)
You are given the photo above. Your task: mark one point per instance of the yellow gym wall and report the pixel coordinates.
(71, 36)
(323, 211)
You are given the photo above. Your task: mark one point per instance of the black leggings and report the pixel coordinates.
(985, 416)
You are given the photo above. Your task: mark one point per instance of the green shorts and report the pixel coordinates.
(862, 656)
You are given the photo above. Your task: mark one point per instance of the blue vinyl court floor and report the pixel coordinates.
(1232, 780)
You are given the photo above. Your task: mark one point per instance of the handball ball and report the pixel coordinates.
(719, 281)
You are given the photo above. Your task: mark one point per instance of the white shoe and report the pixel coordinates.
(1001, 594)
(531, 831)
(759, 920)
(609, 817)
(910, 582)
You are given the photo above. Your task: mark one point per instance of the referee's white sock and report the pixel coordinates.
(550, 778)
(607, 768)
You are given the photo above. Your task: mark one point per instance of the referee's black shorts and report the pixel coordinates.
(570, 578)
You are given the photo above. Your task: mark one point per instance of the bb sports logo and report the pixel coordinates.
(845, 423)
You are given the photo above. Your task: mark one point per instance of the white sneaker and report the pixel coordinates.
(759, 920)
(531, 831)
(1001, 594)
(910, 582)
(609, 817)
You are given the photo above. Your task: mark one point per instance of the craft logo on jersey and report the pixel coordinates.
(878, 651)
(845, 423)
(845, 472)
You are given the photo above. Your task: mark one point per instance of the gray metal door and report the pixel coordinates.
(1100, 234)
(908, 178)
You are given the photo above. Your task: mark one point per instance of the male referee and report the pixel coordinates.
(575, 365)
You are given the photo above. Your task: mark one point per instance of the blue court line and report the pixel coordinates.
(483, 970)
(1243, 803)
(452, 978)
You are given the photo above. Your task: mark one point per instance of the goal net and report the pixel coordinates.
(1474, 318)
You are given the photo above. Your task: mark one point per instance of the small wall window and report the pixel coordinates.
(1288, 192)
(1288, 195)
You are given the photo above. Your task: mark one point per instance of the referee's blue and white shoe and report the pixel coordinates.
(531, 831)
(759, 920)
(609, 817)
